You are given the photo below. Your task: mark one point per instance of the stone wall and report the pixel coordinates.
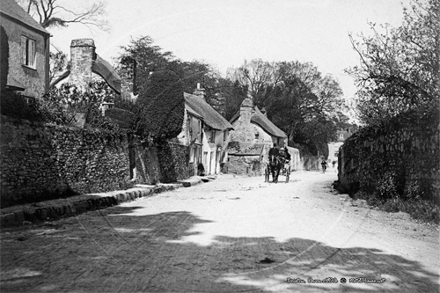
(401, 155)
(245, 165)
(41, 161)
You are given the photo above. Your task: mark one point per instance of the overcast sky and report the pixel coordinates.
(226, 32)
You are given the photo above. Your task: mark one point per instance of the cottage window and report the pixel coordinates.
(188, 125)
(28, 51)
(257, 135)
(212, 137)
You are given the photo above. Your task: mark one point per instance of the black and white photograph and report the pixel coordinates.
(220, 146)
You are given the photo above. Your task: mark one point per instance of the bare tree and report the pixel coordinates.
(256, 75)
(50, 13)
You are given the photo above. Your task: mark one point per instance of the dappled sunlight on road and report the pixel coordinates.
(232, 235)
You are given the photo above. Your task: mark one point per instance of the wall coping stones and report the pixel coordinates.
(71, 206)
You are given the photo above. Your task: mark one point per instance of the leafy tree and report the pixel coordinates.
(232, 94)
(58, 63)
(50, 13)
(161, 106)
(195, 72)
(400, 67)
(298, 99)
(138, 59)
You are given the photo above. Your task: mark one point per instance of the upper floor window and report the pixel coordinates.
(28, 51)
(212, 137)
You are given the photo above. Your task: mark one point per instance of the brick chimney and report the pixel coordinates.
(82, 54)
(200, 92)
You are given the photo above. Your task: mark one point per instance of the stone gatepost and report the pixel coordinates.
(82, 54)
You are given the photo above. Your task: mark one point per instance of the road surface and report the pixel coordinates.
(234, 234)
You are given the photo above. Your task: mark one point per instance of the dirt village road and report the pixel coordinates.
(234, 234)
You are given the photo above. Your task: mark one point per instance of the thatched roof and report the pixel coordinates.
(210, 116)
(261, 120)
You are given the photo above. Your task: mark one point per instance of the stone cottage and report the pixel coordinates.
(254, 134)
(25, 58)
(206, 132)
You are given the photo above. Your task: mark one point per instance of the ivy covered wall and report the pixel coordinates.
(174, 162)
(398, 158)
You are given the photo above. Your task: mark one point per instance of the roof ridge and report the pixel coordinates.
(11, 9)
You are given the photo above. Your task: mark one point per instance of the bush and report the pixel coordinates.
(387, 186)
(419, 209)
(17, 106)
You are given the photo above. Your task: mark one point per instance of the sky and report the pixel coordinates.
(224, 33)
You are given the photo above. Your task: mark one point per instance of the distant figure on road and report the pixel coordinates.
(334, 163)
(324, 165)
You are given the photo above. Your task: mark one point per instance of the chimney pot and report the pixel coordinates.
(200, 92)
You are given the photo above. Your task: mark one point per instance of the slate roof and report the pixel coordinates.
(261, 120)
(210, 116)
(13, 10)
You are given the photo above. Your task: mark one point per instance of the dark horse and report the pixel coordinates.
(275, 164)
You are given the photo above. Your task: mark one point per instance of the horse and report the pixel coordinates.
(276, 163)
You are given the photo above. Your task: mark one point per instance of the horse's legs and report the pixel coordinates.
(278, 169)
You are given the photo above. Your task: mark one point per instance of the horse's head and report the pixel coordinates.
(274, 160)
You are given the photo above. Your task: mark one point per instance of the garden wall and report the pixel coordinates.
(43, 161)
(399, 157)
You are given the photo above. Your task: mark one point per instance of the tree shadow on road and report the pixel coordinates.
(122, 250)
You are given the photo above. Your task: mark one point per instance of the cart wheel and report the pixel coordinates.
(266, 175)
(287, 175)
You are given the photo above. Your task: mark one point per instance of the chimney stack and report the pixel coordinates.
(200, 92)
(246, 110)
(82, 54)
